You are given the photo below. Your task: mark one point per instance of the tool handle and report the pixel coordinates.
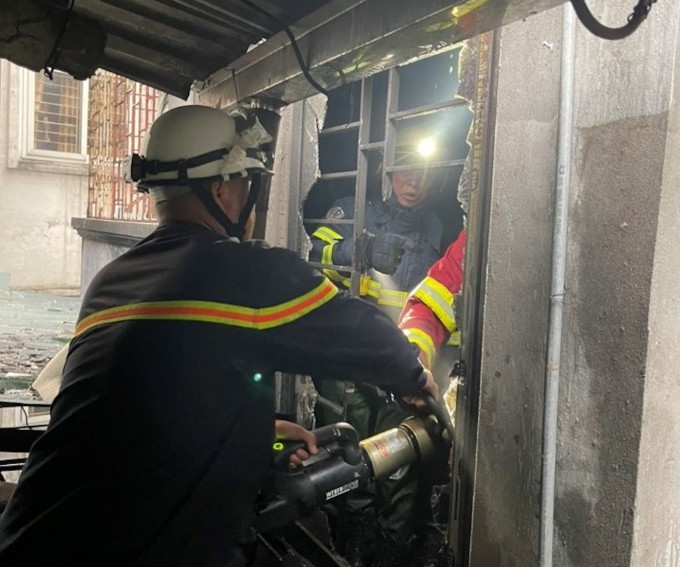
(440, 412)
(283, 451)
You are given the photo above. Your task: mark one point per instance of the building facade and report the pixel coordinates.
(43, 177)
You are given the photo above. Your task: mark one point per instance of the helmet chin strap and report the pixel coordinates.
(233, 229)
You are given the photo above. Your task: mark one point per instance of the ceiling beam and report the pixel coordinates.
(347, 40)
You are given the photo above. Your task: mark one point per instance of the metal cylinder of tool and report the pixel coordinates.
(387, 452)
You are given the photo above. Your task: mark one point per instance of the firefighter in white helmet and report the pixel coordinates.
(168, 170)
(161, 433)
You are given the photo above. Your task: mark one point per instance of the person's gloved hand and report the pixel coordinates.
(383, 252)
(407, 222)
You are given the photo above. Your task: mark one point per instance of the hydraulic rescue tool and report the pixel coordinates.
(343, 464)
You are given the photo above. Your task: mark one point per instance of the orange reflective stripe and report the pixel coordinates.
(211, 312)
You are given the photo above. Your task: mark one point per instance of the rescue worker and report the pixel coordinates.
(401, 241)
(161, 432)
(428, 317)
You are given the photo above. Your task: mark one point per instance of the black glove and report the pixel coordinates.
(384, 251)
(407, 222)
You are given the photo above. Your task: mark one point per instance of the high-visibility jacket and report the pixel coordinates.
(333, 244)
(428, 317)
(162, 431)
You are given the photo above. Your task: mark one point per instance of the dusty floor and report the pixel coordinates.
(33, 327)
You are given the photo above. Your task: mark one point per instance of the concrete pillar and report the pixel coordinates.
(656, 523)
(507, 482)
(618, 487)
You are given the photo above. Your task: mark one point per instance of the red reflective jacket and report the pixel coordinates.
(428, 317)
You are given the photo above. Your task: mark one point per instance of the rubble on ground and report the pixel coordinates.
(33, 327)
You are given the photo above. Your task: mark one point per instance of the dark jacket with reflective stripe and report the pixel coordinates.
(420, 225)
(162, 430)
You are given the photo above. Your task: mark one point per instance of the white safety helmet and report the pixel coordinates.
(196, 142)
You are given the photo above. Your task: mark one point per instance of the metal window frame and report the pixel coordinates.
(28, 109)
(121, 113)
(471, 308)
(388, 147)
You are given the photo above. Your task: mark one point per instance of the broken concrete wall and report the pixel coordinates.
(296, 168)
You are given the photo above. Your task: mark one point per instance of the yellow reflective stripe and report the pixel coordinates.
(392, 301)
(211, 312)
(327, 258)
(370, 287)
(331, 237)
(327, 254)
(364, 285)
(438, 299)
(327, 235)
(389, 297)
(437, 290)
(394, 295)
(424, 342)
(454, 338)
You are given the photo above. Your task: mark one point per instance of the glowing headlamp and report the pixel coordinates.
(426, 147)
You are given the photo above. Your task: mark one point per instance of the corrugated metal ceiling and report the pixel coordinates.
(165, 43)
(173, 42)
(170, 44)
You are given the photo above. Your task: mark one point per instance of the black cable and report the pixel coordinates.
(592, 25)
(293, 42)
(233, 77)
(53, 57)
